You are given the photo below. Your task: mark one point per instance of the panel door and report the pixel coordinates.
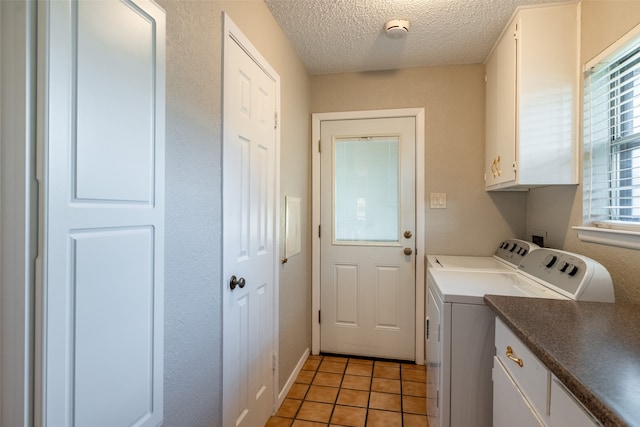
(367, 241)
(102, 181)
(249, 243)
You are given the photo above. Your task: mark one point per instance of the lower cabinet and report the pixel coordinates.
(566, 410)
(526, 394)
(510, 407)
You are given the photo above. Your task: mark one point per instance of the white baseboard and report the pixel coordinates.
(292, 378)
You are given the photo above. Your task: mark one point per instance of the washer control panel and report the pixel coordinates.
(514, 250)
(573, 275)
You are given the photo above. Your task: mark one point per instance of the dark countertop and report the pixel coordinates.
(592, 347)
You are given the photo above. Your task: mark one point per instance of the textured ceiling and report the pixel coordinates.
(337, 36)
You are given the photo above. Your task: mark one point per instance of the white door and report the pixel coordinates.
(102, 181)
(249, 174)
(367, 249)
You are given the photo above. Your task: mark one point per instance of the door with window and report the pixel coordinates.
(367, 249)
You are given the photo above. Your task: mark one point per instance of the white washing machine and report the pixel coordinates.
(460, 330)
(506, 258)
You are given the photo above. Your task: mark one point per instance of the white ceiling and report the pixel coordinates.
(338, 36)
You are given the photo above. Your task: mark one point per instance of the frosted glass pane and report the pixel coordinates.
(366, 199)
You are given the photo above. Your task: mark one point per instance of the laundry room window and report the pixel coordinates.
(612, 139)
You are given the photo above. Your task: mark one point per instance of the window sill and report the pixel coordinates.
(609, 236)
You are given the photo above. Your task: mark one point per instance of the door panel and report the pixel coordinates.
(113, 161)
(113, 315)
(249, 242)
(346, 295)
(388, 297)
(102, 174)
(367, 203)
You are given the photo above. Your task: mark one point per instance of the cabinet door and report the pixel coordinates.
(547, 95)
(566, 411)
(491, 108)
(501, 110)
(510, 408)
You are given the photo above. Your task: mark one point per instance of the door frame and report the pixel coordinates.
(18, 211)
(316, 121)
(232, 31)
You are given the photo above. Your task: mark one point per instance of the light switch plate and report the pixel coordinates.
(438, 200)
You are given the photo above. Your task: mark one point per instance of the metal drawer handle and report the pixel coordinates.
(512, 357)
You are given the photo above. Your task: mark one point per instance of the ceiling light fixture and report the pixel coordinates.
(397, 28)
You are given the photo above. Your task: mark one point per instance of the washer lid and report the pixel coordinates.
(468, 263)
(470, 287)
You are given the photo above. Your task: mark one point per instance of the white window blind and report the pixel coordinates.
(612, 138)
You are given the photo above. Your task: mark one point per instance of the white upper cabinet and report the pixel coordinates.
(532, 100)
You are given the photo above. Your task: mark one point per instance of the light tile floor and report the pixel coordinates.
(354, 392)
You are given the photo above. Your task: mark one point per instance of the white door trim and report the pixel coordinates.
(231, 30)
(317, 119)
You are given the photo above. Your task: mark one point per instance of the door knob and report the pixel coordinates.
(407, 234)
(236, 282)
(408, 251)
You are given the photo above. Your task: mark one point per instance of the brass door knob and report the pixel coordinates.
(408, 251)
(407, 234)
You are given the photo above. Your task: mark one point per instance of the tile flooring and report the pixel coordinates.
(355, 392)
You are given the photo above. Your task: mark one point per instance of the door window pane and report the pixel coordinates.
(366, 190)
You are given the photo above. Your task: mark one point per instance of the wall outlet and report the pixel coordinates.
(538, 237)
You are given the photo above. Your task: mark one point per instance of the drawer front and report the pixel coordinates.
(531, 376)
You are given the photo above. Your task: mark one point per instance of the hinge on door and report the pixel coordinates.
(275, 120)
(319, 146)
(319, 316)
(274, 361)
(318, 231)
(426, 328)
(438, 333)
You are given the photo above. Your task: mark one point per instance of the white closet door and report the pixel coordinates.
(102, 181)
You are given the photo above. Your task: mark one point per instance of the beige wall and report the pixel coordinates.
(453, 98)
(557, 209)
(193, 281)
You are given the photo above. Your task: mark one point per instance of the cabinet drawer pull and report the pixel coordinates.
(512, 357)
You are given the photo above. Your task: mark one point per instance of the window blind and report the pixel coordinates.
(612, 137)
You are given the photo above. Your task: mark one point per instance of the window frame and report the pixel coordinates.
(611, 231)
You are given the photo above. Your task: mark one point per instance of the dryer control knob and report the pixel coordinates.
(549, 261)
